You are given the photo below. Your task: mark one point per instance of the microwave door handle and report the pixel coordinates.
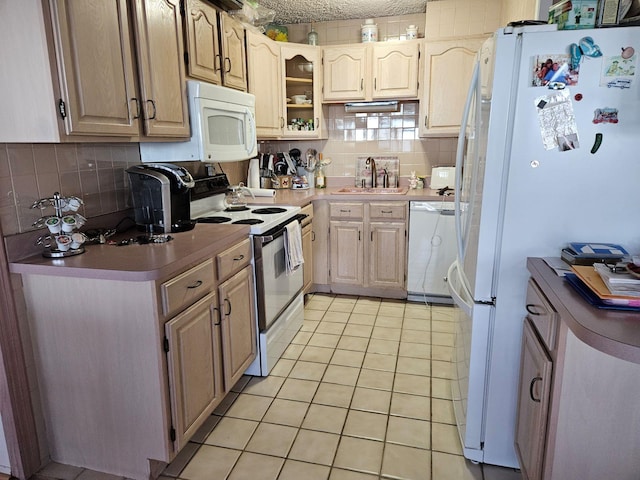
(252, 132)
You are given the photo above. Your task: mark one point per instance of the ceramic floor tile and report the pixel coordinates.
(362, 319)
(366, 309)
(419, 312)
(286, 412)
(205, 429)
(388, 309)
(294, 470)
(318, 303)
(316, 354)
(324, 340)
(210, 462)
(368, 425)
(354, 330)
(378, 361)
(409, 432)
(272, 439)
(341, 307)
(389, 322)
(442, 326)
(441, 388)
(226, 403)
(282, 367)
(347, 358)
(249, 407)
(340, 474)
(302, 338)
(232, 433)
(309, 325)
(264, 386)
(315, 447)
(241, 383)
(341, 375)
(491, 472)
(369, 400)
(442, 313)
(358, 344)
(411, 406)
(417, 324)
(254, 465)
(454, 467)
(442, 411)
(386, 333)
(416, 336)
(414, 366)
(444, 438)
(388, 347)
(295, 389)
(412, 384)
(60, 471)
(293, 351)
(311, 315)
(87, 474)
(181, 460)
(334, 395)
(440, 369)
(375, 379)
(359, 454)
(332, 328)
(445, 354)
(324, 418)
(440, 338)
(415, 350)
(308, 370)
(338, 317)
(406, 463)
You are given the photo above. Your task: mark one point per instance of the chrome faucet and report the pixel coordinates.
(374, 173)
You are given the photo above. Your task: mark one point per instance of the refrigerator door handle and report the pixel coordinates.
(460, 157)
(454, 282)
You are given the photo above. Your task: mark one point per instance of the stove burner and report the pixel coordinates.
(268, 210)
(236, 209)
(248, 221)
(213, 219)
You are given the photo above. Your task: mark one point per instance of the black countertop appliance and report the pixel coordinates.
(161, 197)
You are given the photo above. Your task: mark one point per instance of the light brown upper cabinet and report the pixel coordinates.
(203, 42)
(234, 56)
(74, 75)
(448, 66)
(387, 70)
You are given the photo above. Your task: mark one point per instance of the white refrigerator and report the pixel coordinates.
(540, 167)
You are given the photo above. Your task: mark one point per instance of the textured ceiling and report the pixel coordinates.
(305, 11)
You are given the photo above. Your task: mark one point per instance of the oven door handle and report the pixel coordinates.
(279, 230)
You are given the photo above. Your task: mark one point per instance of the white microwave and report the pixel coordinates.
(223, 128)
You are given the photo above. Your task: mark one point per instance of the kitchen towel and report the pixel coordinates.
(263, 192)
(293, 246)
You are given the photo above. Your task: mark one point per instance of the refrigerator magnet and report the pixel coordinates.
(605, 115)
(618, 71)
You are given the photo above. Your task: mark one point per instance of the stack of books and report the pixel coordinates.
(590, 253)
(605, 289)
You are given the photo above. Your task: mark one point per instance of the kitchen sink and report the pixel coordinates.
(372, 190)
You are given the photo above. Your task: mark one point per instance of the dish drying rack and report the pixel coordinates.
(62, 240)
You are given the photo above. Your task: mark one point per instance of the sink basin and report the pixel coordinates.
(372, 190)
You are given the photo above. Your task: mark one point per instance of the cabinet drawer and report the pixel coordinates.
(541, 314)
(184, 289)
(308, 211)
(388, 210)
(233, 259)
(346, 210)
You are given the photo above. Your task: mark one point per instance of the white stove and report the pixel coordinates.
(260, 218)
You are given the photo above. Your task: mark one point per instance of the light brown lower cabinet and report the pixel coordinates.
(577, 410)
(128, 370)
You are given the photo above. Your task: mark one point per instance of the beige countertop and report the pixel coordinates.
(138, 262)
(611, 331)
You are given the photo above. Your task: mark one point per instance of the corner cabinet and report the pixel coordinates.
(448, 66)
(579, 376)
(140, 364)
(367, 243)
(388, 70)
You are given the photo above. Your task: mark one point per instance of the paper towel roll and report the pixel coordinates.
(263, 192)
(253, 177)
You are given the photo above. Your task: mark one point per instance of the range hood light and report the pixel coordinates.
(367, 107)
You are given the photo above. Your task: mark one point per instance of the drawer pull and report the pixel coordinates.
(345, 211)
(531, 308)
(531, 387)
(237, 259)
(386, 211)
(195, 285)
(228, 304)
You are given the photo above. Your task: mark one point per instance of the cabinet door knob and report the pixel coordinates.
(532, 386)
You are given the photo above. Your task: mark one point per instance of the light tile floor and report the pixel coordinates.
(361, 393)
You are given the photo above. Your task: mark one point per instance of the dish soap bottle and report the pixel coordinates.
(321, 181)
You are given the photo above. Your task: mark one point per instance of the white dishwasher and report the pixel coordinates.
(432, 249)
